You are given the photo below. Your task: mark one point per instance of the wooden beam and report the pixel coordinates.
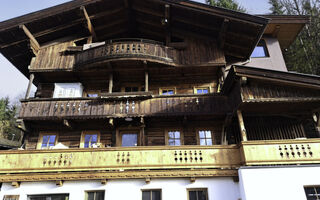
(89, 23)
(15, 184)
(29, 86)
(167, 23)
(67, 123)
(33, 42)
(242, 127)
(110, 82)
(227, 122)
(223, 32)
(276, 31)
(130, 18)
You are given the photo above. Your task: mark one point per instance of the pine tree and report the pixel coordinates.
(276, 7)
(228, 4)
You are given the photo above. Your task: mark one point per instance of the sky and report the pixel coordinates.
(14, 84)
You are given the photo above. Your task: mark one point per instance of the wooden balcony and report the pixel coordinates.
(122, 49)
(275, 152)
(125, 106)
(119, 159)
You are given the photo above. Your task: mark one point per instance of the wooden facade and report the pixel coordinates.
(153, 72)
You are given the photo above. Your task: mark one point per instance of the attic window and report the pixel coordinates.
(260, 51)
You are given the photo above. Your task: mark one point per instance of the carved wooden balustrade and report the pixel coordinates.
(123, 158)
(133, 49)
(123, 107)
(272, 152)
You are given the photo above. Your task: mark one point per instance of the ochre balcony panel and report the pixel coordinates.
(103, 108)
(136, 158)
(304, 151)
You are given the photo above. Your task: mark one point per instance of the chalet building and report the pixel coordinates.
(160, 100)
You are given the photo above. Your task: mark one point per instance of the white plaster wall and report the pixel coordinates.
(275, 61)
(223, 188)
(277, 183)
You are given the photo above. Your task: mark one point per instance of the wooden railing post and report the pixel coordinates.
(29, 86)
(242, 127)
(110, 82)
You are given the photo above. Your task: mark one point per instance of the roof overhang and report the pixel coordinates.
(237, 33)
(285, 27)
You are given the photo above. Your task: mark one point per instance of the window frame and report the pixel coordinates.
(86, 193)
(11, 197)
(150, 190)
(197, 189)
(204, 129)
(311, 186)
(195, 90)
(171, 130)
(40, 139)
(168, 88)
(84, 133)
(46, 195)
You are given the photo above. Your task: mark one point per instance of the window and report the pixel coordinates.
(205, 137)
(49, 197)
(131, 89)
(201, 90)
(11, 197)
(92, 93)
(129, 139)
(198, 194)
(90, 139)
(174, 138)
(151, 195)
(94, 195)
(167, 91)
(312, 192)
(260, 50)
(47, 140)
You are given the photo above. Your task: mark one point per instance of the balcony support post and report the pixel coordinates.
(167, 23)
(89, 25)
(110, 82)
(146, 75)
(29, 86)
(34, 44)
(242, 127)
(318, 123)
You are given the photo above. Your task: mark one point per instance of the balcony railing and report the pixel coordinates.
(304, 151)
(130, 158)
(124, 107)
(127, 49)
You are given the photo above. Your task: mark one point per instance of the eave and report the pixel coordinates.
(237, 33)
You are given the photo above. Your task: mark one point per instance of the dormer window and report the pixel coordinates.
(260, 51)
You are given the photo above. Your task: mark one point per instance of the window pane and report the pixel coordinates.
(202, 195)
(203, 142)
(177, 134)
(52, 139)
(312, 193)
(209, 141)
(90, 139)
(100, 195)
(167, 92)
(201, 134)
(92, 95)
(208, 134)
(202, 91)
(171, 142)
(171, 134)
(193, 195)
(129, 139)
(156, 195)
(90, 196)
(45, 140)
(146, 195)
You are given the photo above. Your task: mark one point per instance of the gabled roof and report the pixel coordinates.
(237, 33)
